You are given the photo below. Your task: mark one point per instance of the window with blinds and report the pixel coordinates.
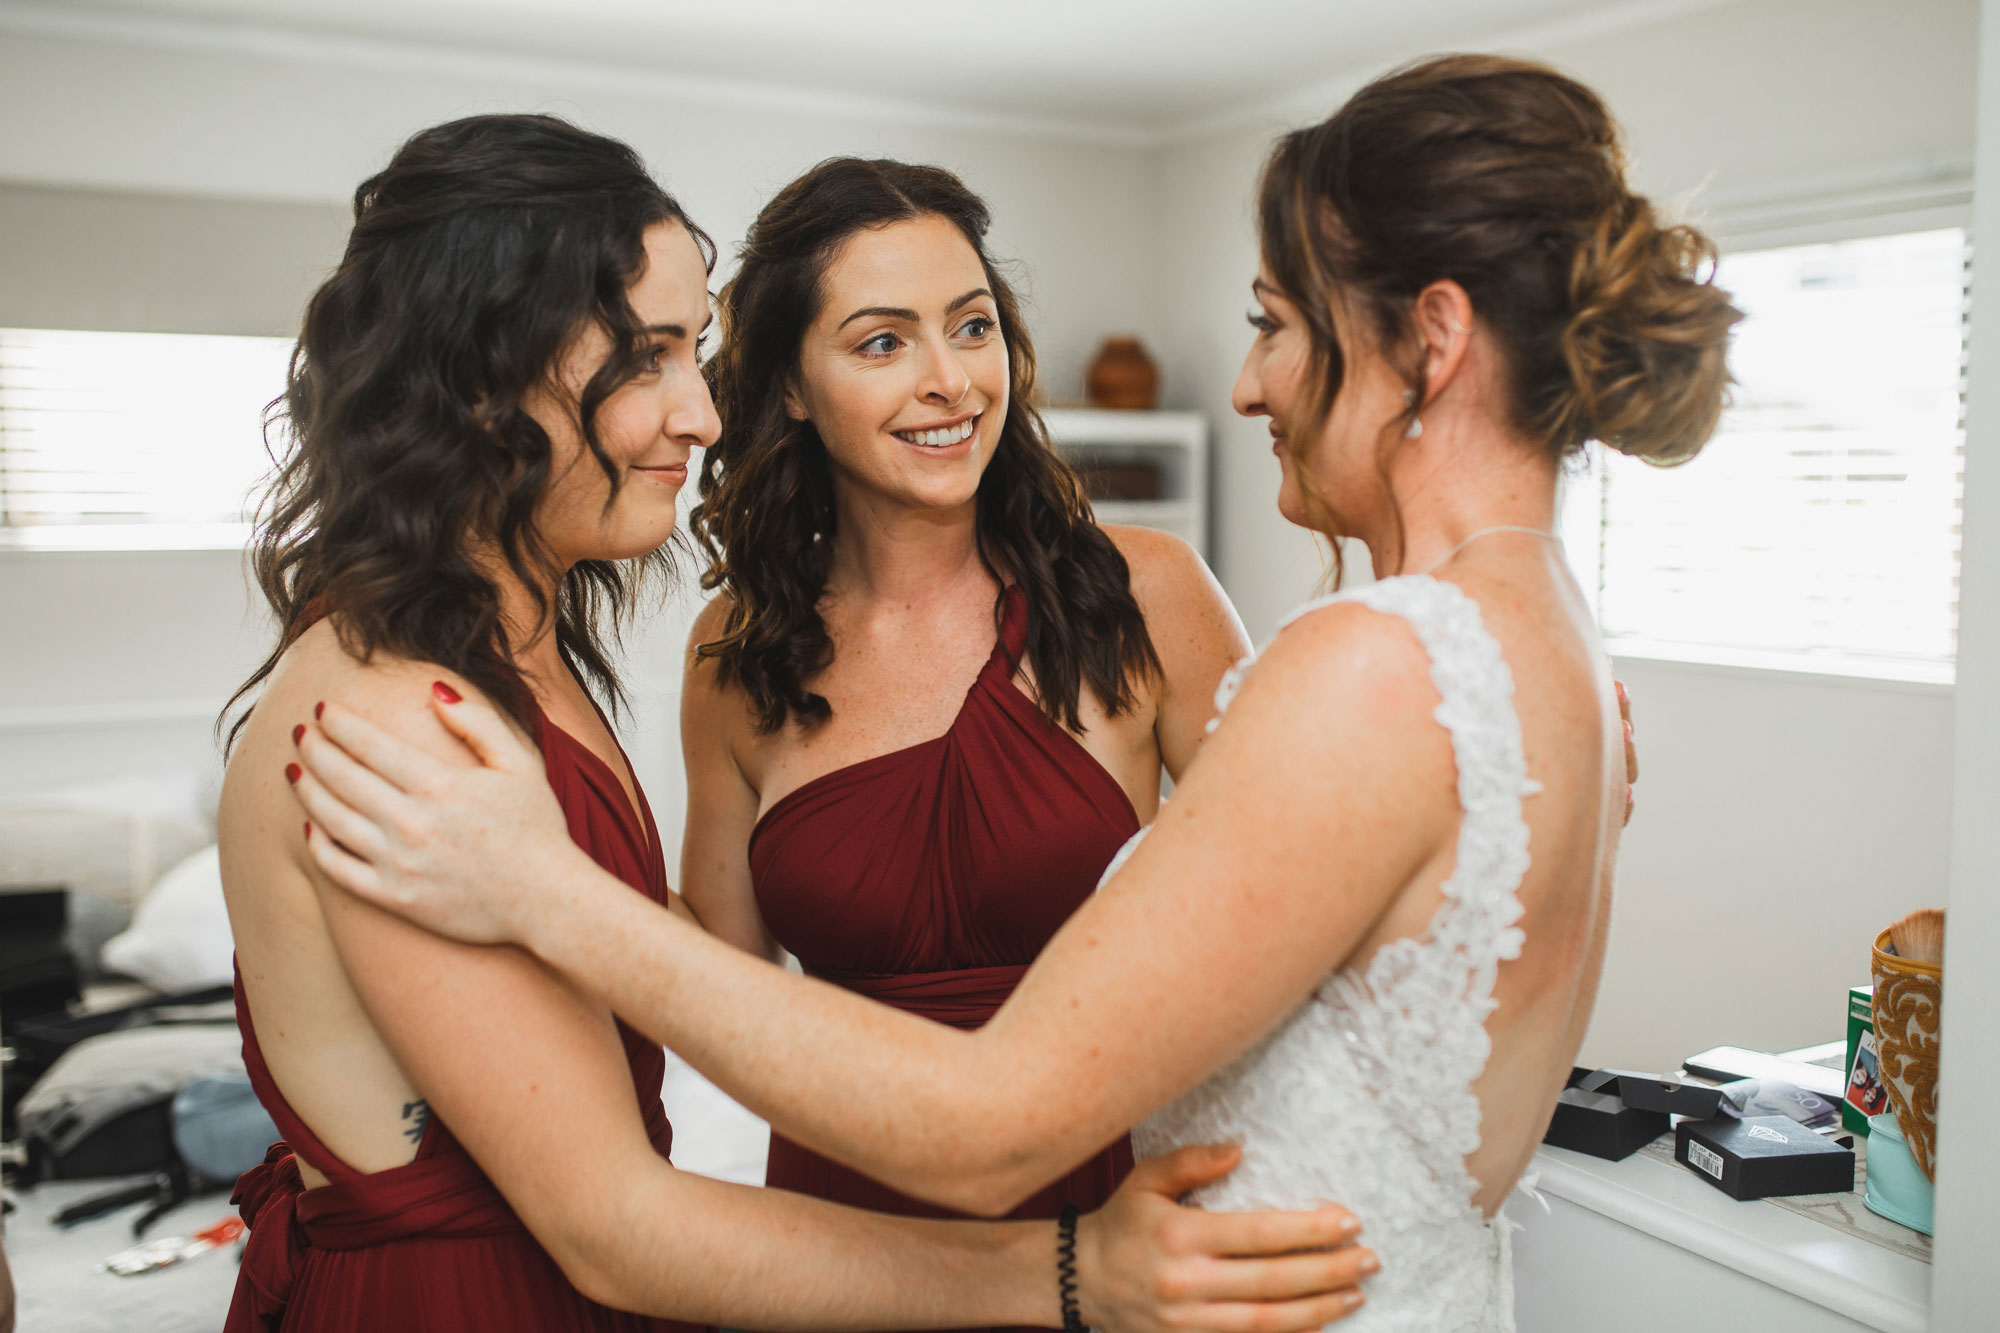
(1819, 529)
(132, 440)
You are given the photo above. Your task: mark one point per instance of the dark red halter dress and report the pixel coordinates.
(432, 1245)
(930, 878)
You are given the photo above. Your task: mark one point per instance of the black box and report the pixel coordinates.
(1591, 1118)
(1673, 1095)
(1763, 1156)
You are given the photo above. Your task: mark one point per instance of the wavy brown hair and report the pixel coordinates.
(479, 254)
(1507, 178)
(767, 520)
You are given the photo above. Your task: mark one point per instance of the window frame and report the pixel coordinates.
(1812, 219)
(139, 537)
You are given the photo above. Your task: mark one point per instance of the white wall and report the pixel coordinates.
(205, 190)
(1783, 819)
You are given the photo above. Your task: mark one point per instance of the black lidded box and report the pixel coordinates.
(1591, 1118)
(1671, 1094)
(1763, 1156)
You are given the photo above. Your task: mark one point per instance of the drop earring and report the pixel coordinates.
(1416, 426)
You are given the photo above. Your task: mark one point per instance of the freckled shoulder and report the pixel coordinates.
(1189, 617)
(714, 711)
(1162, 564)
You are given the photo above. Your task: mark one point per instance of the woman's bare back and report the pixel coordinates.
(323, 1049)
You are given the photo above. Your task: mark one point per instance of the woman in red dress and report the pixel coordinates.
(933, 697)
(493, 407)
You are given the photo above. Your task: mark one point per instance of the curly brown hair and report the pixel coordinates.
(767, 520)
(481, 252)
(1508, 178)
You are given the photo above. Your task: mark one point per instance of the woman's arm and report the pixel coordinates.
(1263, 874)
(528, 1071)
(721, 804)
(1194, 629)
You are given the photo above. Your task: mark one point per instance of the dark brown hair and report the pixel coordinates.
(766, 518)
(481, 252)
(1507, 178)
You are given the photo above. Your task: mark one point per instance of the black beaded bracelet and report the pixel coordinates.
(1066, 1269)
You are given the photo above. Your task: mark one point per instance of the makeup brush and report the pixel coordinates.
(1919, 936)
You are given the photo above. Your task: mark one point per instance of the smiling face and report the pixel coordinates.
(904, 372)
(649, 425)
(1331, 481)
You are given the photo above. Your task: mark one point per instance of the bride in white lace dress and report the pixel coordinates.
(1363, 939)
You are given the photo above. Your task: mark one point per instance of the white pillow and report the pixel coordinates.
(179, 938)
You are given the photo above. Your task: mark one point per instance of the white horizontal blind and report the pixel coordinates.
(132, 439)
(1820, 527)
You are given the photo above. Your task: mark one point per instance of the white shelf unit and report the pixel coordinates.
(1177, 442)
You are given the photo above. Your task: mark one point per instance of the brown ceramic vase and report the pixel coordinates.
(1122, 376)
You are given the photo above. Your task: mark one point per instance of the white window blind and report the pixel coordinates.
(1819, 529)
(132, 440)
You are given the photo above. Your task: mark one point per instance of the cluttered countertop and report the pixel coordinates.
(1828, 1249)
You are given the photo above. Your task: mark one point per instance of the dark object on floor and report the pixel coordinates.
(38, 975)
(1590, 1117)
(164, 1191)
(106, 1107)
(1763, 1157)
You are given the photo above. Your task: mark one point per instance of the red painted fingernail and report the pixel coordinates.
(309, 829)
(292, 772)
(445, 693)
(318, 708)
(298, 733)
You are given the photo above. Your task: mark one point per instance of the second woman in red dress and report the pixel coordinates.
(933, 697)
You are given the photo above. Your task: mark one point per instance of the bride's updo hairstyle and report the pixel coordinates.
(1509, 179)
(767, 520)
(482, 251)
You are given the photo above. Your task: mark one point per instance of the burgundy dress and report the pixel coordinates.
(930, 877)
(432, 1245)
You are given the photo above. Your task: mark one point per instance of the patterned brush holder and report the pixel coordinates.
(1908, 996)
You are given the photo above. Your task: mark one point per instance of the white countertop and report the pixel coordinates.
(1798, 1254)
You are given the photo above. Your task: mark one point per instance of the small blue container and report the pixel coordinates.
(1897, 1189)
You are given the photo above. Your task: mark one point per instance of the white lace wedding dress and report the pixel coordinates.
(1363, 1094)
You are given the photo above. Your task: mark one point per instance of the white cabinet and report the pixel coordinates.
(1644, 1245)
(1172, 447)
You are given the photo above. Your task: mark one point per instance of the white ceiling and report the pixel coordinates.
(1144, 67)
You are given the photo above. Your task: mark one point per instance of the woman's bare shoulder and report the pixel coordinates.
(390, 690)
(1352, 658)
(1156, 557)
(1184, 606)
(713, 705)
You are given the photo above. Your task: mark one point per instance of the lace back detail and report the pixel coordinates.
(1365, 1092)
(1424, 1001)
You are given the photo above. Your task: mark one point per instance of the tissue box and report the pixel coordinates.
(1592, 1118)
(1865, 1094)
(1763, 1156)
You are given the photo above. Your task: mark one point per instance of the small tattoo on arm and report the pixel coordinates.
(416, 1115)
